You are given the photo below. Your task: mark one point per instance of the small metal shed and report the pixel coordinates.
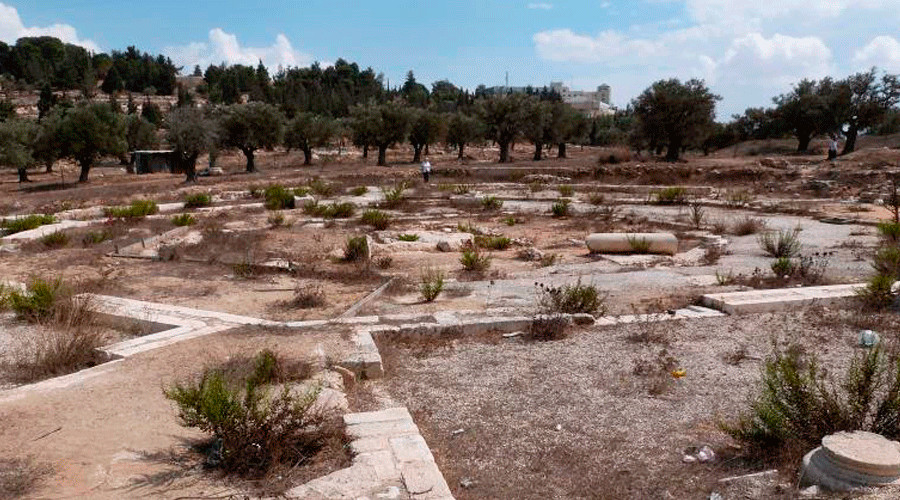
(153, 161)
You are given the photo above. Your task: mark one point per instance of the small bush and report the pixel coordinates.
(549, 259)
(278, 198)
(462, 189)
(877, 294)
(746, 226)
(560, 208)
(19, 478)
(276, 219)
(376, 218)
(468, 227)
(886, 261)
(56, 239)
(96, 237)
(614, 155)
(394, 197)
(308, 296)
(782, 243)
(596, 198)
(474, 261)
(341, 210)
(566, 190)
(548, 327)
(510, 221)
(797, 405)
(674, 195)
(536, 186)
(321, 188)
(571, 299)
(359, 190)
(740, 198)
(356, 249)
(27, 223)
(252, 430)
(197, 200)
(384, 262)
(138, 209)
(491, 203)
(890, 231)
(638, 245)
(783, 267)
(38, 301)
(300, 191)
(408, 237)
(431, 284)
(184, 220)
(698, 214)
(492, 242)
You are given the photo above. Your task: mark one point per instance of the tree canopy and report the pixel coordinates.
(252, 126)
(674, 114)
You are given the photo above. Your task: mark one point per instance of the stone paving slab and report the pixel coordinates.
(39, 232)
(62, 382)
(781, 299)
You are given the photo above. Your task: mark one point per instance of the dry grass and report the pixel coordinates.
(19, 477)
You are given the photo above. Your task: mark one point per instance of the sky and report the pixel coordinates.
(746, 51)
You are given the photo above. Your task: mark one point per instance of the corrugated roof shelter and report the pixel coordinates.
(153, 161)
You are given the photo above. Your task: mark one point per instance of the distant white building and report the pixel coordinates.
(595, 103)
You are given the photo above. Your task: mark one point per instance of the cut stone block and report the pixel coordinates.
(664, 243)
(849, 460)
(781, 299)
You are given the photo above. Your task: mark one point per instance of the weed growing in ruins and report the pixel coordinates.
(307, 296)
(431, 284)
(38, 301)
(491, 203)
(638, 244)
(782, 243)
(547, 327)
(56, 239)
(886, 261)
(890, 231)
(253, 427)
(698, 214)
(797, 404)
(878, 293)
(473, 260)
(510, 221)
(197, 200)
(536, 186)
(278, 198)
(571, 299)
(657, 371)
(492, 242)
(359, 190)
(300, 191)
(320, 187)
(138, 209)
(711, 255)
(462, 189)
(394, 197)
(184, 220)
(96, 237)
(376, 218)
(334, 210)
(468, 227)
(276, 219)
(356, 249)
(384, 261)
(783, 267)
(745, 226)
(549, 259)
(566, 190)
(26, 223)
(408, 237)
(560, 208)
(596, 198)
(20, 477)
(739, 198)
(674, 195)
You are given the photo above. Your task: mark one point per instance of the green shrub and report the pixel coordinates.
(462, 189)
(184, 220)
(474, 261)
(340, 210)
(138, 209)
(745, 226)
(431, 284)
(560, 208)
(394, 197)
(890, 230)
(197, 200)
(510, 221)
(38, 300)
(300, 191)
(673, 195)
(276, 219)
(782, 243)
(376, 218)
(797, 405)
(886, 261)
(253, 428)
(408, 237)
(356, 249)
(638, 245)
(56, 239)
(278, 198)
(321, 188)
(877, 294)
(491, 203)
(548, 327)
(571, 299)
(492, 242)
(783, 267)
(740, 198)
(596, 198)
(308, 296)
(536, 186)
(96, 237)
(566, 190)
(26, 223)
(468, 227)
(359, 190)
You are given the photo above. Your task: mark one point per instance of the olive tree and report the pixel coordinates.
(503, 117)
(674, 114)
(252, 126)
(462, 129)
(426, 127)
(391, 124)
(89, 131)
(863, 102)
(307, 131)
(536, 125)
(16, 139)
(363, 122)
(190, 133)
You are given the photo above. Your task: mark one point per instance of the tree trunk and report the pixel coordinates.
(49, 165)
(251, 166)
(23, 175)
(659, 149)
(504, 152)
(462, 147)
(426, 149)
(561, 150)
(365, 151)
(538, 150)
(190, 170)
(382, 156)
(307, 156)
(803, 139)
(417, 153)
(850, 145)
(85, 170)
(673, 151)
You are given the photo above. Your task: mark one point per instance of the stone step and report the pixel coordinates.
(782, 299)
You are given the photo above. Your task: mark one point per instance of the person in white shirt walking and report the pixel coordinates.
(426, 169)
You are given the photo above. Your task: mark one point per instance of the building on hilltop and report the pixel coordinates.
(591, 103)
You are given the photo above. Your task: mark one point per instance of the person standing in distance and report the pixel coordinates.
(832, 147)
(426, 169)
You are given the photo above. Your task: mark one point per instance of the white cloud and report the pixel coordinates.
(882, 51)
(776, 61)
(540, 6)
(225, 47)
(12, 28)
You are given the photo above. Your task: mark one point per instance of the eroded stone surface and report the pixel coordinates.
(849, 460)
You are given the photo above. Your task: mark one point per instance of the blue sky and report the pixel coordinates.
(747, 51)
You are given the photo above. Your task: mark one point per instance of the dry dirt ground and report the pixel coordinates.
(507, 397)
